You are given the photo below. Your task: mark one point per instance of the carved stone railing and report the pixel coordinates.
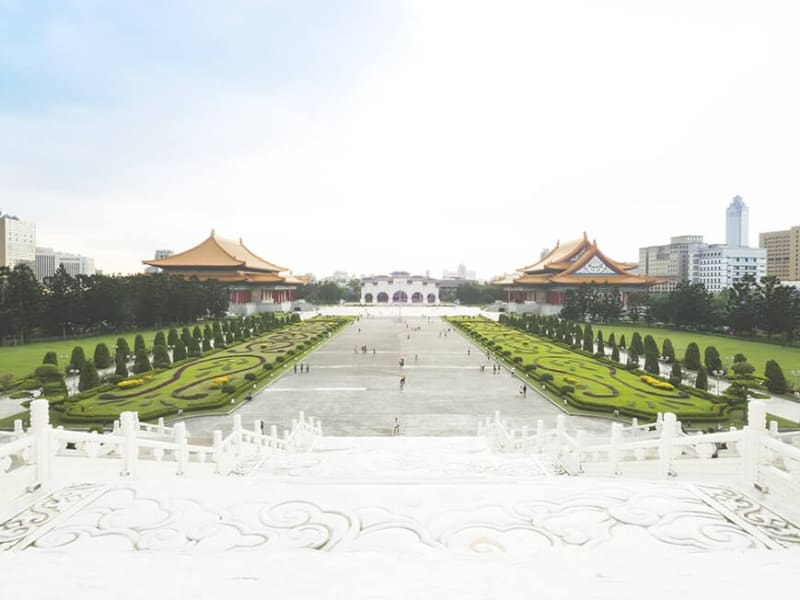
(132, 445)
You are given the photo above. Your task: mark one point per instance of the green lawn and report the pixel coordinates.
(757, 353)
(597, 385)
(20, 361)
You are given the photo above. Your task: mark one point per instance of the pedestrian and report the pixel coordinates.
(402, 362)
(416, 357)
(524, 390)
(301, 367)
(295, 367)
(308, 366)
(373, 352)
(396, 427)
(513, 370)
(402, 381)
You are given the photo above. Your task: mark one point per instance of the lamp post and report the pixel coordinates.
(74, 384)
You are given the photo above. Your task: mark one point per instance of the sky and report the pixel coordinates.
(372, 136)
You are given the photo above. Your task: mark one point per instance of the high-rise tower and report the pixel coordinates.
(736, 221)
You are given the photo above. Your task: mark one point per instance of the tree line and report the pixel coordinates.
(747, 308)
(66, 305)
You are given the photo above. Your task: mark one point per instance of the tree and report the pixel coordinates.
(701, 381)
(690, 305)
(88, 378)
(102, 357)
(622, 343)
(667, 351)
(651, 363)
(739, 357)
(159, 339)
(219, 341)
(122, 346)
(588, 339)
(206, 345)
(61, 302)
(633, 359)
(77, 359)
(676, 374)
(179, 352)
(743, 368)
(776, 382)
(612, 341)
(614, 353)
(141, 363)
(160, 357)
(121, 366)
(692, 357)
(650, 346)
(50, 358)
(601, 350)
(138, 343)
(743, 305)
(636, 343)
(194, 348)
(712, 360)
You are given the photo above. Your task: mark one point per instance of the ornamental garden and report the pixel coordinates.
(571, 365)
(213, 368)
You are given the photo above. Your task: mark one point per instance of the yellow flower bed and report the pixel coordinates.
(569, 379)
(220, 381)
(657, 383)
(129, 383)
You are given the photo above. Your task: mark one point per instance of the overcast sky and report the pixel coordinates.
(407, 135)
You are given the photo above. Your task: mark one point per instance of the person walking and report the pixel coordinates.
(396, 427)
(402, 382)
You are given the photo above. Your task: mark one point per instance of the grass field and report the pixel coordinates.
(757, 353)
(21, 361)
(596, 385)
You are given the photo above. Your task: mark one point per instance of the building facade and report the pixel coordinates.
(47, 261)
(671, 262)
(399, 287)
(543, 285)
(783, 253)
(719, 266)
(254, 284)
(17, 241)
(737, 222)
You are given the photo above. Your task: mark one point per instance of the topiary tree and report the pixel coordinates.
(622, 343)
(588, 339)
(701, 381)
(172, 337)
(650, 346)
(676, 374)
(179, 351)
(77, 359)
(88, 378)
(121, 367)
(743, 369)
(160, 357)
(206, 345)
(651, 362)
(601, 349)
(614, 353)
(633, 359)
(186, 336)
(159, 340)
(776, 382)
(612, 341)
(739, 357)
(102, 357)
(122, 346)
(207, 335)
(219, 341)
(712, 360)
(194, 348)
(138, 343)
(692, 357)
(636, 344)
(667, 351)
(141, 363)
(50, 358)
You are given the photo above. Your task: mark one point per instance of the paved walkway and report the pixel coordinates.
(357, 393)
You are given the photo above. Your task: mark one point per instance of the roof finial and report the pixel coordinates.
(240, 241)
(586, 237)
(594, 243)
(212, 233)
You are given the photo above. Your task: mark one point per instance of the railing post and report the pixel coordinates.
(258, 437)
(614, 450)
(539, 435)
(634, 423)
(181, 453)
(40, 427)
(130, 448)
(751, 441)
(668, 425)
(217, 442)
(237, 434)
(659, 421)
(773, 428)
(560, 432)
(525, 438)
(273, 433)
(578, 448)
(160, 424)
(19, 430)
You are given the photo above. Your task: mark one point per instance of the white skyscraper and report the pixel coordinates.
(736, 222)
(17, 241)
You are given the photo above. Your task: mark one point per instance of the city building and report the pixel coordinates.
(159, 254)
(737, 219)
(544, 284)
(399, 287)
(719, 266)
(48, 260)
(461, 273)
(783, 253)
(670, 262)
(17, 241)
(254, 284)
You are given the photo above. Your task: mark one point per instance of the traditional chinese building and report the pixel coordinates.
(255, 285)
(568, 266)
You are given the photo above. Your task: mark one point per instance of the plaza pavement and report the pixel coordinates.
(358, 394)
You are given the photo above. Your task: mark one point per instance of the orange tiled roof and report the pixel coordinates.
(576, 262)
(216, 252)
